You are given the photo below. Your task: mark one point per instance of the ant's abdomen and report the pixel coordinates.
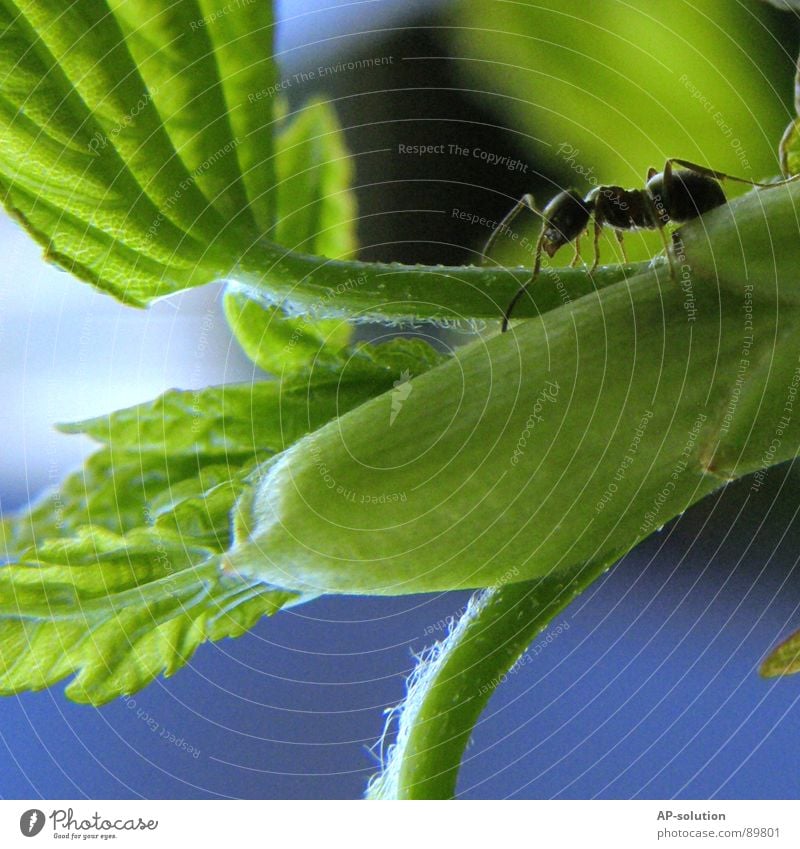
(689, 196)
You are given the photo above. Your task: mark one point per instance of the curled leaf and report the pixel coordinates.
(572, 437)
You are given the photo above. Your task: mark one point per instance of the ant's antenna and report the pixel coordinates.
(525, 202)
(537, 267)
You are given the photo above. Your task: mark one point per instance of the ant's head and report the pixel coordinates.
(565, 218)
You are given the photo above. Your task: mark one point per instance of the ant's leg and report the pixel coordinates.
(537, 266)
(577, 258)
(598, 228)
(718, 175)
(654, 215)
(664, 241)
(621, 240)
(525, 202)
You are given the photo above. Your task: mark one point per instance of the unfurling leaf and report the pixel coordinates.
(560, 443)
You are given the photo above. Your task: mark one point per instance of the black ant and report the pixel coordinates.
(668, 196)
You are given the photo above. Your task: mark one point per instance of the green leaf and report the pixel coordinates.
(183, 52)
(132, 151)
(279, 344)
(140, 149)
(187, 448)
(116, 612)
(451, 296)
(174, 451)
(790, 149)
(116, 574)
(316, 206)
(201, 514)
(221, 423)
(784, 659)
(249, 421)
(316, 214)
(113, 493)
(122, 558)
(790, 143)
(243, 43)
(177, 449)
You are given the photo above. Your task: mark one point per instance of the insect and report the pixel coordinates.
(669, 195)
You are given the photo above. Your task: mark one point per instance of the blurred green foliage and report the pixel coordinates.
(604, 90)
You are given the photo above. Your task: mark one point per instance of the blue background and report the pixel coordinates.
(652, 691)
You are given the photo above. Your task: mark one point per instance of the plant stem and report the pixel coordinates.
(364, 291)
(451, 687)
(731, 244)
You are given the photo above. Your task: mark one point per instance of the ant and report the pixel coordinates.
(668, 195)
